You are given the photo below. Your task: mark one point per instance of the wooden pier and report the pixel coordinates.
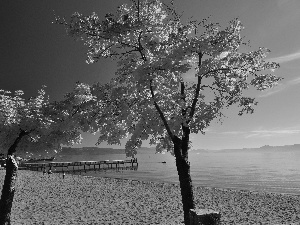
(82, 165)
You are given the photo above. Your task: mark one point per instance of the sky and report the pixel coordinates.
(35, 52)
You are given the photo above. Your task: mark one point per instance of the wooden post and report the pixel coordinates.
(204, 217)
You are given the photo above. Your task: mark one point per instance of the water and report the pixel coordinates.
(277, 172)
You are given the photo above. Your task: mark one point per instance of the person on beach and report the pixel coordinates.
(49, 172)
(64, 174)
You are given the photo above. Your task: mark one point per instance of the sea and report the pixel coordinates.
(277, 171)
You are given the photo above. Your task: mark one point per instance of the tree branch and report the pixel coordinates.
(183, 111)
(138, 9)
(104, 50)
(225, 69)
(216, 70)
(193, 107)
(141, 47)
(161, 113)
(76, 111)
(12, 148)
(215, 89)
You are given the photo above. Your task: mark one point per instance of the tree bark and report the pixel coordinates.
(8, 190)
(183, 168)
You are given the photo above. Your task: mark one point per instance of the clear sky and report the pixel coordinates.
(35, 52)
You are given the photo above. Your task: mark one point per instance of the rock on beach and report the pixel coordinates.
(44, 199)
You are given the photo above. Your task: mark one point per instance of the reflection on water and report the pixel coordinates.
(261, 171)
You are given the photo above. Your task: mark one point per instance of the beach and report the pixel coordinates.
(50, 199)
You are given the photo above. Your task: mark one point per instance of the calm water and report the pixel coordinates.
(259, 171)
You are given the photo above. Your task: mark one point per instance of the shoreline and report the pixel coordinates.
(120, 175)
(80, 199)
(194, 186)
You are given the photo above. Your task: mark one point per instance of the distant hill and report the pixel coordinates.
(100, 151)
(90, 151)
(265, 148)
(151, 150)
(199, 150)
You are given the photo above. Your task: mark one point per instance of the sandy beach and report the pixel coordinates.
(44, 199)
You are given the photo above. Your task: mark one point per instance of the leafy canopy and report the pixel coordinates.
(150, 98)
(47, 125)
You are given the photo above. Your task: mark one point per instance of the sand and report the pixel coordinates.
(43, 199)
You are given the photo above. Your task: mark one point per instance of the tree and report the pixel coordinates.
(150, 97)
(36, 126)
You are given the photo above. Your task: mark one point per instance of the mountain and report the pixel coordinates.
(151, 150)
(100, 151)
(265, 148)
(199, 150)
(90, 151)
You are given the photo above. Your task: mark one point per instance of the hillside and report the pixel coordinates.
(266, 148)
(100, 151)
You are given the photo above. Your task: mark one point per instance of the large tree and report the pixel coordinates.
(150, 97)
(36, 126)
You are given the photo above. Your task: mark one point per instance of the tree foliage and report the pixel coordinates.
(36, 126)
(155, 51)
(47, 126)
(149, 98)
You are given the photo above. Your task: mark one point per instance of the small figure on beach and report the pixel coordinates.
(64, 174)
(49, 171)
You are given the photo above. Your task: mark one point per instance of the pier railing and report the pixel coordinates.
(83, 165)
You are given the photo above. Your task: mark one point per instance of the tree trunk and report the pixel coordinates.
(8, 189)
(183, 168)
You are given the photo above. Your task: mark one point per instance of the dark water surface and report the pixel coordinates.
(257, 171)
